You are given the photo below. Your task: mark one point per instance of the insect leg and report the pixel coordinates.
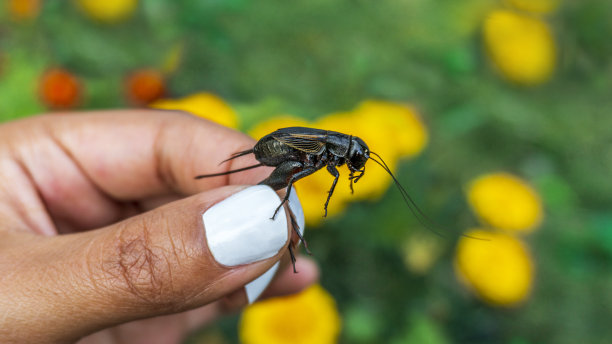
(279, 178)
(332, 169)
(354, 179)
(296, 229)
(303, 173)
(284, 175)
(292, 258)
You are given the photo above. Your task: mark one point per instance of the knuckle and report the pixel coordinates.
(141, 266)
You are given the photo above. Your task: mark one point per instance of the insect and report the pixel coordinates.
(297, 152)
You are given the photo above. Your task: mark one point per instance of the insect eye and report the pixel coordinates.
(358, 160)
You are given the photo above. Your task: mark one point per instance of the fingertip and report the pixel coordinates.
(239, 229)
(255, 288)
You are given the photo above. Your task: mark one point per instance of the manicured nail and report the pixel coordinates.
(239, 229)
(255, 288)
(296, 209)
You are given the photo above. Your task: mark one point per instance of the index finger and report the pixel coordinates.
(135, 154)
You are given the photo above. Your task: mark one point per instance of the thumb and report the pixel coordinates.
(177, 257)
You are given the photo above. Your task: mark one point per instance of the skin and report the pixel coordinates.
(101, 238)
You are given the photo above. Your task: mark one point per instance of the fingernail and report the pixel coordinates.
(296, 209)
(257, 286)
(239, 229)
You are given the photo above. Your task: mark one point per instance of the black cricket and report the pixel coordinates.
(297, 152)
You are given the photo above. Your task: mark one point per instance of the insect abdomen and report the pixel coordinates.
(271, 152)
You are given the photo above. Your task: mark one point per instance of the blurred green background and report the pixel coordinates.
(311, 58)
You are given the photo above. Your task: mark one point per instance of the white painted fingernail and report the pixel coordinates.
(239, 229)
(257, 286)
(296, 209)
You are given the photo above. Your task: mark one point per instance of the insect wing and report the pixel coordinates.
(308, 143)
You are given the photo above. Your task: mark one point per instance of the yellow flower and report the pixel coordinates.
(205, 105)
(535, 6)
(521, 46)
(372, 131)
(308, 317)
(500, 271)
(391, 130)
(505, 202)
(420, 252)
(108, 11)
(400, 123)
(312, 192)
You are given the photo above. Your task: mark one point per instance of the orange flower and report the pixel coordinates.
(23, 9)
(60, 89)
(144, 86)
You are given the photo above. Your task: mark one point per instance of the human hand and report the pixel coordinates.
(102, 235)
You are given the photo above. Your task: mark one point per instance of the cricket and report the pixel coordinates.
(297, 152)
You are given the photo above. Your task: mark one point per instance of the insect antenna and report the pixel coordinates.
(227, 172)
(416, 211)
